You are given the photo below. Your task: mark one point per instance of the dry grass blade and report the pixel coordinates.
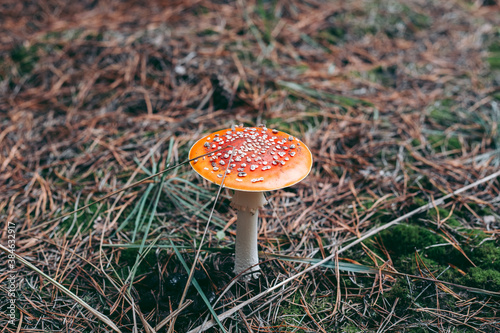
(173, 314)
(65, 290)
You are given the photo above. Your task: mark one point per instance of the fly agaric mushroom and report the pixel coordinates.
(255, 159)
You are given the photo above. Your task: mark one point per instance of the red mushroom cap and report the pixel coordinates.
(262, 160)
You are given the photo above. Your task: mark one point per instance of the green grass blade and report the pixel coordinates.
(198, 288)
(143, 168)
(178, 195)
(127, 219)
(140, 215)
(152, 211)
(146, 231)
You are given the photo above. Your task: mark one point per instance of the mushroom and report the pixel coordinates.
(255, 160)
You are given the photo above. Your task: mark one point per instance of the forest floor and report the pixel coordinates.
(396, 228)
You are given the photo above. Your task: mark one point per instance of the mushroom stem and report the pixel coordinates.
(247, 227)
(246, 254)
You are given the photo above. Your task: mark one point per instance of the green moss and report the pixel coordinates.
(485, 253)
(452, 220)
(488, 279)
(350, 328)
(400, 291)
(404, 239)
(320, 306)
(292, 312)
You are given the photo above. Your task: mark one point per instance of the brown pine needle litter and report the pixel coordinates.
(105, 227)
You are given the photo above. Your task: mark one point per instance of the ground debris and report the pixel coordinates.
(398, 101)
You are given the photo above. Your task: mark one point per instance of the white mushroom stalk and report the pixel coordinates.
(247, 229)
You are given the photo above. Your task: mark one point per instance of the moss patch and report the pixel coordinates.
(407, 242)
